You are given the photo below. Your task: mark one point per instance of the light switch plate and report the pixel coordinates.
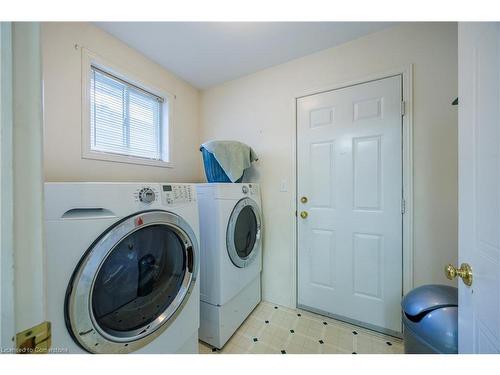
(284, 185)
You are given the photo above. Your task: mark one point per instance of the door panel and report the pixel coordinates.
(479, 186)
(321, 116)
(322, 173)
(322, 258)
(367, 260)
(350, 169)
(366, 171)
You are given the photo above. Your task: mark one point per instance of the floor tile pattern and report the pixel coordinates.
(273, 329)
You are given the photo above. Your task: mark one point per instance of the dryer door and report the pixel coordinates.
(131, 283)
(243, 236)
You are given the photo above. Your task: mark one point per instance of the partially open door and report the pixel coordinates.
(479, 187)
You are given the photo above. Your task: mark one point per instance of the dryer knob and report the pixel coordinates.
(147, 195)
(244, 189)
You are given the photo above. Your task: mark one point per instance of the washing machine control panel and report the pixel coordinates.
(147, 195)
(172, 194)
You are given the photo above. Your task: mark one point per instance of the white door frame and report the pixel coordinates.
(406, 73)
(7, 322)
(22, 297)
(29, 257)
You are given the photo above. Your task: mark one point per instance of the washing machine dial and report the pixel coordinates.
(147, 195)
(244, 189)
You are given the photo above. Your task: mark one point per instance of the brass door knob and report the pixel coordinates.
(303, 214)
(303, 199)
(464, 272)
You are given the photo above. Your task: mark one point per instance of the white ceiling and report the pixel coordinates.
(209, 53)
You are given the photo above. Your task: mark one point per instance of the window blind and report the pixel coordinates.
(124, 119)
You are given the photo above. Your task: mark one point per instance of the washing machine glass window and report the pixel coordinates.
(131, 283)
(139, 279)
(243, 233)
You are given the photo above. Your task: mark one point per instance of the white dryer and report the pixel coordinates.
(122, 266)
(231, 257)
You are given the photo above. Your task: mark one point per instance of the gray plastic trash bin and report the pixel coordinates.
(430, 319)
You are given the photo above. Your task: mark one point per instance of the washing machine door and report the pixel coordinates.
(132, 282)
(243, 236)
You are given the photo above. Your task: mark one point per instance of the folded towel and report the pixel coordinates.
(234, 157)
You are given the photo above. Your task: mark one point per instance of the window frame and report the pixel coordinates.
(90, 59)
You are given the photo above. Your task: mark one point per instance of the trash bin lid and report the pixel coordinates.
(429, 297)
(438, 329)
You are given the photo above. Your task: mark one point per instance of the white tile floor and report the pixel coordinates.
(277, 329)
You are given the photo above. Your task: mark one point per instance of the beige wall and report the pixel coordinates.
(258, 109)
(63, 108)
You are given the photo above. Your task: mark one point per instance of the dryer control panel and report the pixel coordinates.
(172, 193)
(254, 189)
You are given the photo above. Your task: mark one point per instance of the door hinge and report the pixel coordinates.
(403, 108)
(403, 206)
(35, 340)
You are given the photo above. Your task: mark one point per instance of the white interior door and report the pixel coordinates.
(479, 186)
(349, 169)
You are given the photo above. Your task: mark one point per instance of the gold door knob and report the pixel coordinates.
(303, 200)
(464, 272)
(303, 215)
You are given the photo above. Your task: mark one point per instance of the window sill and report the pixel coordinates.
(103, 156)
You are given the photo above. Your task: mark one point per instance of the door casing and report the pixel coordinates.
(7, 321)
(406, 73)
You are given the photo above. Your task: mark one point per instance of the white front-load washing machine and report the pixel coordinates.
(122, 263)
(231, 257)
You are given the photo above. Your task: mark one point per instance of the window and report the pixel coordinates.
(126, 122)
